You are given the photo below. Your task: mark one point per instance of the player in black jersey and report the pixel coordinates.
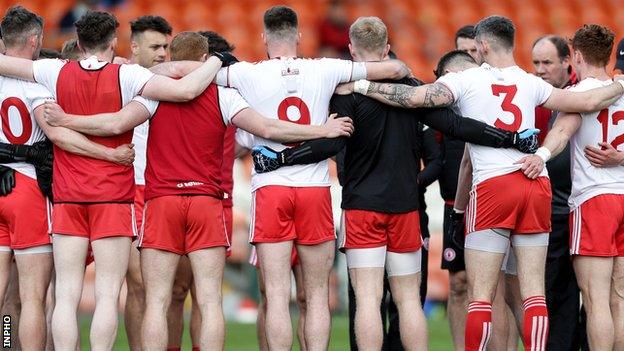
(380, 193)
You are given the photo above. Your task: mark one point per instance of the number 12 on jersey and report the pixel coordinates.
(603, 118)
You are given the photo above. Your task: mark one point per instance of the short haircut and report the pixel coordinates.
(595, 42)
(369, 34)
(467, 32)
(281, 22)
(216, 42)
(563, 50)
(70, 50)
(154, 23)
(96, 30)
(18, 25)
(450, 59)
(49, 54)
(188, 46)
(498, 29)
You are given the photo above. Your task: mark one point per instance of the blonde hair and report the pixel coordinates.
(369, 34)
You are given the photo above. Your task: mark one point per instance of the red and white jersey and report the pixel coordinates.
(502, 97)
(295, 90)
(185, 144)
(84, 88)
(603, 126)
(18, 101)
(139, 139)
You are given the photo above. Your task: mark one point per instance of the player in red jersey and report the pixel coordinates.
(501, 94)
(597, 197)
(183, 176)
(93, 199)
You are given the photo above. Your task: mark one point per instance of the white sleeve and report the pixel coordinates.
(542, 90)
(230, 103)
(453, 81)
(37, 95)
(342, 71)
(150, 105)
(244, 138)
(46, 72)
(132, 79)
(233, 75)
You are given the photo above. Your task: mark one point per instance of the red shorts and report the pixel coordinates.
(361, 229)
(511, 201)
(597, 227)
(94, 221)
(139, 203)
(183, 224)
(24, 215)
(255, 260)
(282, 213)
(228, 218)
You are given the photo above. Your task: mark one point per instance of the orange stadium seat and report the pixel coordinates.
(197, 15)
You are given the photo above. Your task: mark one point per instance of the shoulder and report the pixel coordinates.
(587, 84)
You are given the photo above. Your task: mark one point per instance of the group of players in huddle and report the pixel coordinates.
(82, 194)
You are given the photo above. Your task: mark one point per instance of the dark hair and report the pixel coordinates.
(70, 50)
(451, 58)
(280, 18)
(217, 42)
(467, 32)
(145, 23)
(498, 28)
(595, 42)
(18, 24)
(49, 54)
(96, 30)
(563, 50)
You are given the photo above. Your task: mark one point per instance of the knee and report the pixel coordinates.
(458, 284)
(179, 293)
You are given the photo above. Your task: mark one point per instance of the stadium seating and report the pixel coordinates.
(420, 30)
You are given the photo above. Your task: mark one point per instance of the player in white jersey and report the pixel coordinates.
(24, 222)
(293, 203)
(503, 201)
(597, 197)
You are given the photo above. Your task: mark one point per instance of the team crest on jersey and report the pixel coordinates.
(449, 254)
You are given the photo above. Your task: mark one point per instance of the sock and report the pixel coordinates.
(478, 325)
(535, 332)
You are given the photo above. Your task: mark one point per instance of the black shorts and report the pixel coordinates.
(452, 255)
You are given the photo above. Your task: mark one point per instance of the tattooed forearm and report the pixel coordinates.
(437, 95)
(397, 94)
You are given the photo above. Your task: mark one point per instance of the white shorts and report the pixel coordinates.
(396, 263)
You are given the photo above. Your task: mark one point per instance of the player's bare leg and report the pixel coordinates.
(5, 274)
(35, 270)
(412, 322)
(316, 263)
(531, 262)
(135, 300)
(263, 344)
(111, 264)
(594, 277)
(175, 315)
(275, 266)
(457, 304)
(208, 267)
(70, 253)
(158, 269)
(50, 303)
(368, 288)
(617, 302)
(301, 303)
(500, 325)
(514, 300)
(195, 324)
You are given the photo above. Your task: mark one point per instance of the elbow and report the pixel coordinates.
(592, 104)
(187, 95)
(269, 133)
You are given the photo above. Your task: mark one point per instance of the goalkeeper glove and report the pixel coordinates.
(266, 159)
(7, 180)
(457, 228)
(524, 141)
(226, 58)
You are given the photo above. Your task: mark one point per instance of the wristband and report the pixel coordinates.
(543, 153)
(361, 86)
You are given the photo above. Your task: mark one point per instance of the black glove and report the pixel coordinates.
(524, 141)
(457, 228)
(7, 180)
(226, 58)
(36, 153)
(44, 179)
(266, 159)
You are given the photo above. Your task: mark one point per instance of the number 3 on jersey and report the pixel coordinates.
(507, 105)
(24, 116)
(603, 118)
(293, 102)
